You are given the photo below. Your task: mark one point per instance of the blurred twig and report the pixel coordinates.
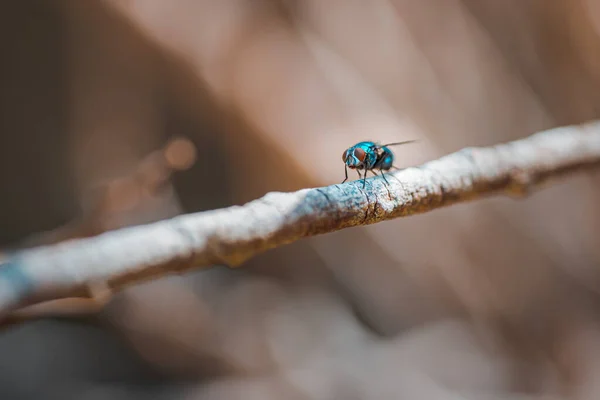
(123, 195)
(232, 235)
(111, 202)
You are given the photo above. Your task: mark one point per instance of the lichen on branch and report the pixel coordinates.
(232, 235)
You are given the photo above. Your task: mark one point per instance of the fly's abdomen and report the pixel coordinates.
(385, 161)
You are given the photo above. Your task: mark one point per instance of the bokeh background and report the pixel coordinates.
(123, 112)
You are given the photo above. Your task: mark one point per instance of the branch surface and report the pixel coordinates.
(232, 235)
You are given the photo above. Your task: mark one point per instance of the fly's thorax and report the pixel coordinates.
(371, 151)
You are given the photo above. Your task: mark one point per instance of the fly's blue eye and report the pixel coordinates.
(360, 154)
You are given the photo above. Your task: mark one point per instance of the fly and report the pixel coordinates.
(369, 156)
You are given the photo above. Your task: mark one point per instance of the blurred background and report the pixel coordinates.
(122, 112)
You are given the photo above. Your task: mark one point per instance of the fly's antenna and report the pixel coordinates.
(399, 143)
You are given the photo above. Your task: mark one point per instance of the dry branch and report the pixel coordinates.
(232, 235)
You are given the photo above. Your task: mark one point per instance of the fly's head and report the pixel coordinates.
(355, 157)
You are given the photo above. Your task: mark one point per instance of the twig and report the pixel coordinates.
(232, 235)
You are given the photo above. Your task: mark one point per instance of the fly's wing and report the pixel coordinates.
(385, 159)
(399, 143)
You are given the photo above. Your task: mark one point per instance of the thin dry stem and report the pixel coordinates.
(232, 235)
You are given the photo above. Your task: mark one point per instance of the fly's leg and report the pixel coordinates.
(364, 178)
(346, 173)
(359, 175)
(383, 176)
(387, 183)
(398, 169)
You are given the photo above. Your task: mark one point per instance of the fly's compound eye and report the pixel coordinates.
(360, 154)
(345, 156)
